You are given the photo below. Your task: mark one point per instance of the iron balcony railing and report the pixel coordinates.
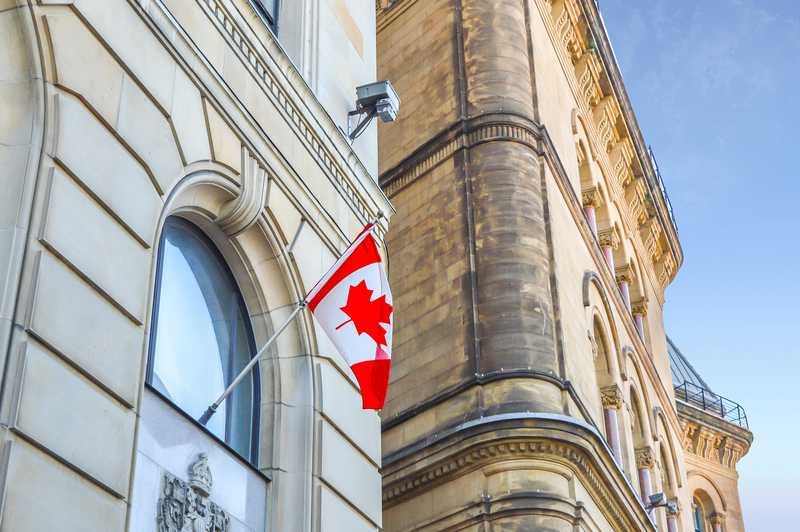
(663, 189)
(701, 398)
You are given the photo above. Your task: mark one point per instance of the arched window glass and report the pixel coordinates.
(698, 521)
(201, 338)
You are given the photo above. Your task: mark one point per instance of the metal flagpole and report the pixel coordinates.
(211, 410)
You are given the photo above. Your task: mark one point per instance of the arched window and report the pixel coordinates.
(201, 337)
(697, 519)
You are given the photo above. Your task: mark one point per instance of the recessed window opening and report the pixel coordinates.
(268, 11)
(697, 519)
(201, 337)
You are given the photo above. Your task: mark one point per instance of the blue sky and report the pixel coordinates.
(715, 85)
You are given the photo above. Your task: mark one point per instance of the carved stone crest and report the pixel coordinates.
(200, 476)
(186, 508)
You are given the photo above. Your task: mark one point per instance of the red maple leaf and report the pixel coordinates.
(367, 314)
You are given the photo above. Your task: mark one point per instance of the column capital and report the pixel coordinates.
(717, 519)
(639, 307)
(592, 198)
(612, 397)
(676, 515)
(645, 458)
(607, 238)
(624, 274)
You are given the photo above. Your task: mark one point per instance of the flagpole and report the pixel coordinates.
(211, 410)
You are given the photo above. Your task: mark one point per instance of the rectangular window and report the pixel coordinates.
(268, 10)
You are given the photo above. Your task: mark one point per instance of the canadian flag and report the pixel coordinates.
(353, 305)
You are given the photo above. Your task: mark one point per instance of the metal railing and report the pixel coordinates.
(663, 188)
(701, 398)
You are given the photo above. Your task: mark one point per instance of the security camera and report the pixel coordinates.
(660, 499)
(378, 98)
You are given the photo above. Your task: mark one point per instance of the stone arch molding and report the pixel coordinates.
(591, 278)
(700, 482)
(270, 284)
(637, 377)
(665, 436)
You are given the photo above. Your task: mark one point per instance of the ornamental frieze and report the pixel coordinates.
(709, 444)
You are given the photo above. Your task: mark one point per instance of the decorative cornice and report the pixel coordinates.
(265, 73)
(717, 519)
(607, 238)
(712, 438)
(624, 274)
(611, 396)
(591, 198)
(605, 118)
(565, 18)
(639, 307)
(605, 53)
(587, 72)
(621, 157)
(650, 234)
(461, 135)
(645, 458)
(485, 454)
(480, 443)
(585, 68)
(635, 194)
(665, 269)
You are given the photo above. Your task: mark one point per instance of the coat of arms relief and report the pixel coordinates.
(186, 507)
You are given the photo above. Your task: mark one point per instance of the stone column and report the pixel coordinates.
(639, 311)
(624, 276)
(607, 238)
(672, 519)
(717, 520)
(591, 202)
(612, 401)
(516, 330)
(644, 463)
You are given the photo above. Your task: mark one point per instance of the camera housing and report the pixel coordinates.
(374, 99)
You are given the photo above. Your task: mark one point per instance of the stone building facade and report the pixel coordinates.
(139, 137)
(530, 251)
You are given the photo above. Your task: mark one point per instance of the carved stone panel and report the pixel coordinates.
(186, 508)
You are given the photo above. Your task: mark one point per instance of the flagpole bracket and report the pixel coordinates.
(210, 411)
